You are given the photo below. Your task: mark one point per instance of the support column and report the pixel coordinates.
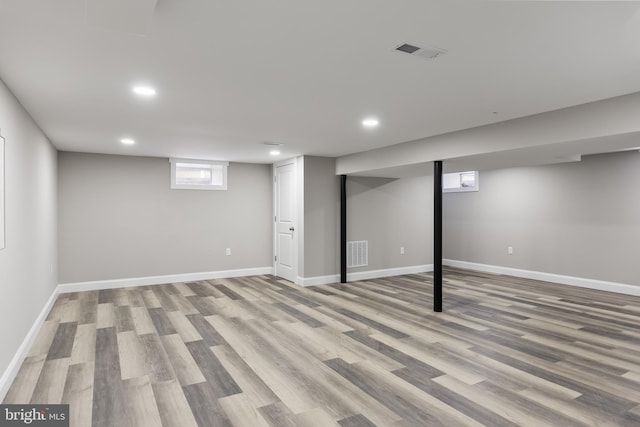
(343, 228)
(437, 236)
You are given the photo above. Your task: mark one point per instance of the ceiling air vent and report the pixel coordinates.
(422, 52)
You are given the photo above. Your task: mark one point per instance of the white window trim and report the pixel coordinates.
(463, 189)
(175, 186)
(2, 172)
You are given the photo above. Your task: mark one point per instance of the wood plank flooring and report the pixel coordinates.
(258, 351)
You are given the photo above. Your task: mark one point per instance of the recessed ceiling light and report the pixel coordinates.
(127, 141)
(370, 123)
(144, 90)
(274, 152)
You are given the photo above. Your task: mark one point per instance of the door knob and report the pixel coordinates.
(290, 228)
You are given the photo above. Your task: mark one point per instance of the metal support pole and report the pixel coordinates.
(437, 236)
(343, 228)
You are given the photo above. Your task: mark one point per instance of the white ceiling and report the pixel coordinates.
(232, 74)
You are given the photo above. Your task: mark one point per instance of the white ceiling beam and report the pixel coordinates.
(596, 122)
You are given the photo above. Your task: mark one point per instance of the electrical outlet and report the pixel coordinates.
(228, 251)
(510, 250)
(401, 250)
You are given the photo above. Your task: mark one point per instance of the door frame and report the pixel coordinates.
(298, 230)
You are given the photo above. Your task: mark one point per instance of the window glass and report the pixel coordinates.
(198, 174)
(460, 181)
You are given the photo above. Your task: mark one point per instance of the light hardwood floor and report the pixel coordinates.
(258, 351)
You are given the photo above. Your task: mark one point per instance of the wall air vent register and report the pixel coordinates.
(358, 253)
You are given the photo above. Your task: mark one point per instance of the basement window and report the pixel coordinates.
(189, 174)
(460, 181)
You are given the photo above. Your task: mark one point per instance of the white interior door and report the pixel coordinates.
(285, 206)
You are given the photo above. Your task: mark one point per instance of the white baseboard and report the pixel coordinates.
(159, 280)
(14, 366)
(621, 288)
(388, 272)
(318, 280)
(364, 275)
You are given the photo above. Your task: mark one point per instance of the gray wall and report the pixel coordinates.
(391, 213)
(118, 218)
(388, 213)
(28, 264)
(321, 217)
(578, 219)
